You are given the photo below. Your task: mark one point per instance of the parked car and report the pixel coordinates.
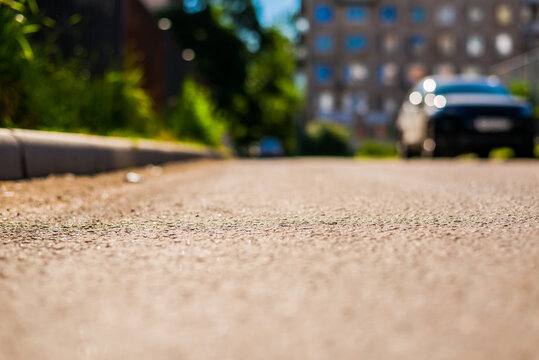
(447, 116)
(267, 147)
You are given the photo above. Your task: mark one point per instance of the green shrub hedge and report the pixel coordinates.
(323, 138)
(377, 149)
(195, 116)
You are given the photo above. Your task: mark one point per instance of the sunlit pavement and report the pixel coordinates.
(284, 259)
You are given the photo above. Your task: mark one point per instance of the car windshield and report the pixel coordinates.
(471, 89)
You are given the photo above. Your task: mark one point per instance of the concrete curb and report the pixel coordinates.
(28, 153)
(10, 157)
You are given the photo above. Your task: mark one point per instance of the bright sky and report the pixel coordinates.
(271, 11)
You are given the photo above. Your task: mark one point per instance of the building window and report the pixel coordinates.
(323, 44)
(389, 44)
(388, 14)
(356, 103)
(445, 69)
(357, 14)
(390, 105)
(326, 102)
(387, 74)
(530, 13)
(418, 15)
(446, 15)
(504, 15)
(534, 9)
(526, 14)
(415, 72)
(417, 44)
(446, 44)
(356, 43)
(323, 74)
(355, 73)
(323, 14)
(475, 14)
(504, 44)
(475, 46)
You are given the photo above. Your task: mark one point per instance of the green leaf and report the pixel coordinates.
(75, 19)
(13, 4)
(32, 4)
(29, 29)
(26, 48)
(48, 22)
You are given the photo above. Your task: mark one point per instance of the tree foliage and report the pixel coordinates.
(274, 97)
(195, 117)
(250, 69)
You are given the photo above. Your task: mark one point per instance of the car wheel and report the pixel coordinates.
(430, 147)
(406, 151)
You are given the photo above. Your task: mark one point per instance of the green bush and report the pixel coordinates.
(16, 62)
(502, 153)
(60, 99)
(326, 139)
(520, 88)
(38, 93)
(195, 117)
(118, 103)
(377, 149)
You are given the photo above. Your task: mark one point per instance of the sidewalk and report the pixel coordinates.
(28, 153)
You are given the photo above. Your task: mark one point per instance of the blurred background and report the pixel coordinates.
(264, 77)
(360, 58)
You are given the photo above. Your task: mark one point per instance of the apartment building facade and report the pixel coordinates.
(362, 56)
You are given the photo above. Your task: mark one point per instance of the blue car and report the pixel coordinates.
(270, 147)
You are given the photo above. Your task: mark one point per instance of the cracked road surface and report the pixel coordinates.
(287, 259)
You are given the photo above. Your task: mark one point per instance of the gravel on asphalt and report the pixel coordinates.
(278, 259)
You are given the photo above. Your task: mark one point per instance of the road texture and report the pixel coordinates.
(288, 259)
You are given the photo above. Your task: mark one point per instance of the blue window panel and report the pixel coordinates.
(323, 73)
(418, 15)
(323, 14)
(323, 43)
(355, 43)
(381, 74)
(347, 75)
(355, 73)
(388, 14)
(357, 14)
(387, 74)
(417, 43)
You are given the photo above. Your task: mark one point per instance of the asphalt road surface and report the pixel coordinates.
(288, 259)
